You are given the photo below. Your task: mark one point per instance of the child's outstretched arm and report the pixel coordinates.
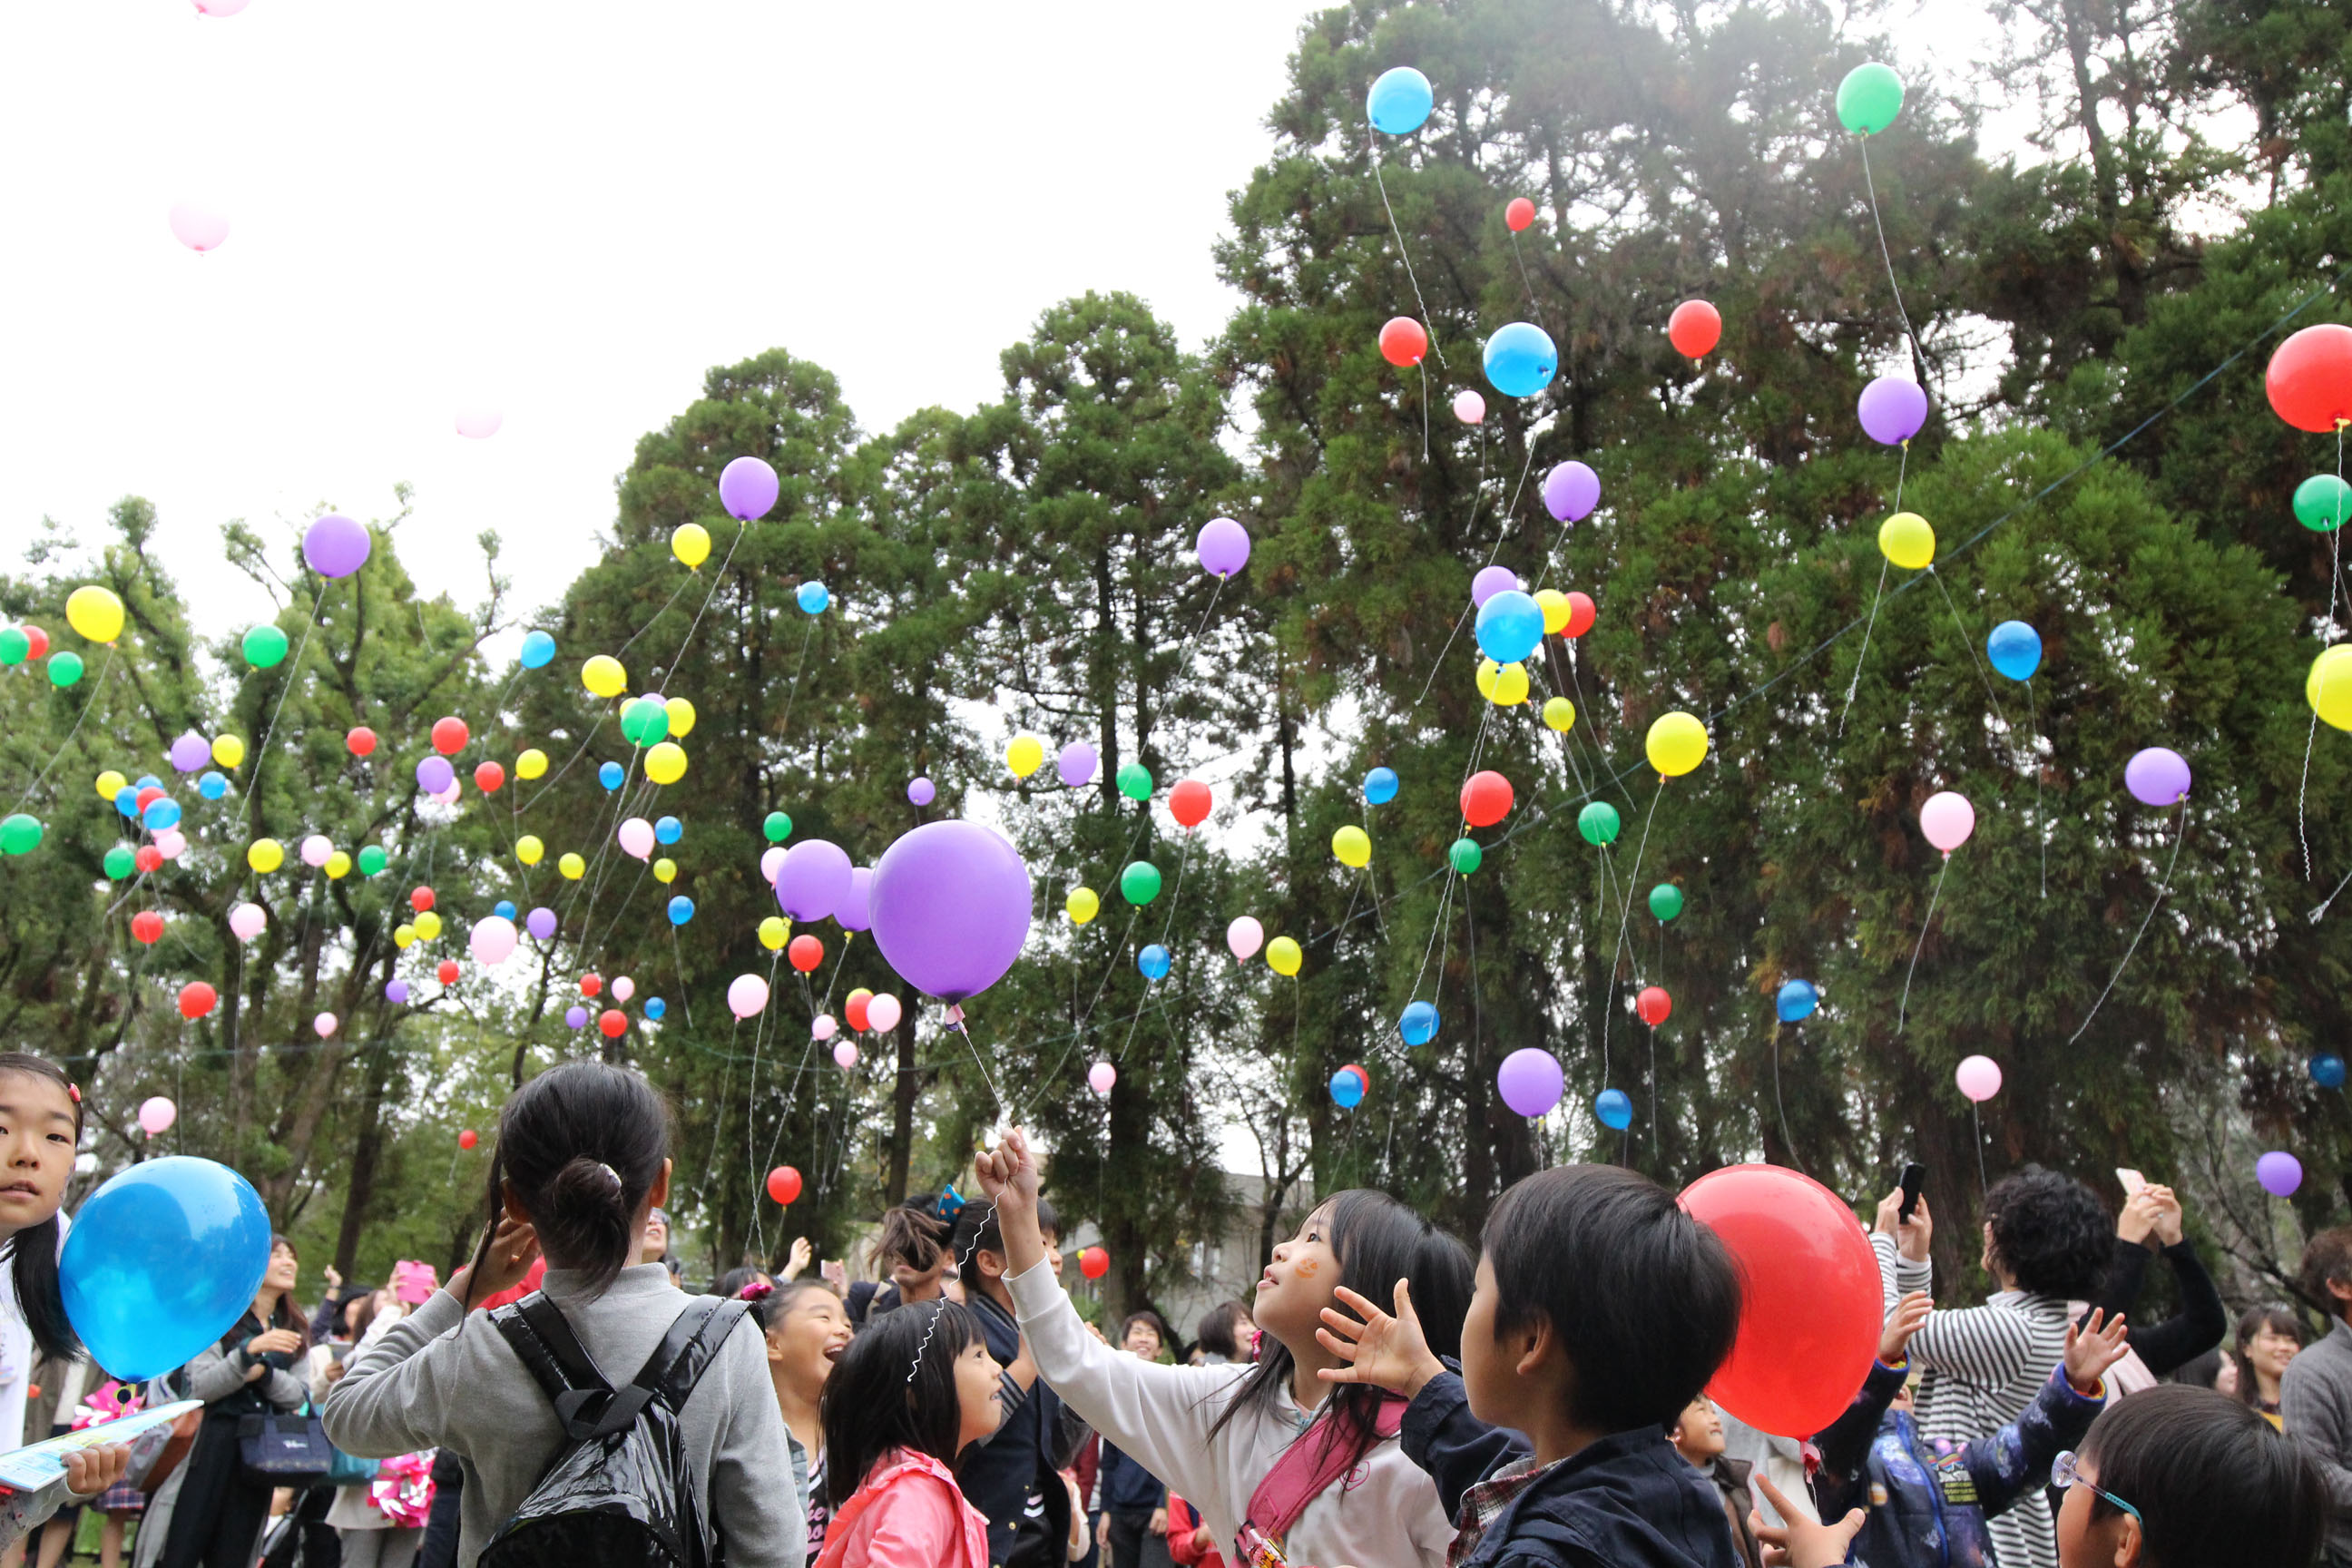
(1845, 1442)
(1440, 1435)
(2008, 1464)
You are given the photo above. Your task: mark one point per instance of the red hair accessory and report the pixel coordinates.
(74, 1089)
(757, 1290)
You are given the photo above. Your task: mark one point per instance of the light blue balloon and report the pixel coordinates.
(656, 1007)
(1400, 100)
(159, 815)
(126, 801)
(1521, 360)
(611, 775)
(669, 830)
(212, 786)
(538, 648)
(2015, 650)
(812, 598)
(1796, 1001)
(1381, 785)
(146, 781)
(1153, 962)
(504, 910)
(1510, 627)
(161, 1262)
(1614, 1108)
(1347, 1089)
(1419, 1024)
(681, 910)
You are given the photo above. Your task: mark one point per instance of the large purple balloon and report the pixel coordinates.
(1225, 546)
(190, 752)
(1571, 491)
(855, 911)
(1531, 1081)
(951, 908)
(2157, 776)
(1076, 764)
(539, 922)
(1491, 581)
(1893, 410)
(335, 546)
(434, 775)
(814, 880)
(2279, 1173)
(747, 488)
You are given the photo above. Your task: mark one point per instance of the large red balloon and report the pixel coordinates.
(613, 1022)
(1695, 328)
(147, 926)
(1808, 1310)
(805, 952)
(1188, 803)
(1094, 1262)
(1520, 214)
(449, 736)
(1653, 1005)
(1403, 341)
(2310, 378)
(1580, 614)
(783, 1183)
(196, 999)
(1485, 799)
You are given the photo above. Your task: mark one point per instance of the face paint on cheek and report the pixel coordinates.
(1306, 1269)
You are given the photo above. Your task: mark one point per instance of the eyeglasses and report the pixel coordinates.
(2063, 1473)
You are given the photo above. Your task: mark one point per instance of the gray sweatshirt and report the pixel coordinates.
(2315, 1407)
(446, 1378)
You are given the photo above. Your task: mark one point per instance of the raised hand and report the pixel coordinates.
(2167, 1216)
(514, 1244)
(1387, 1350)
(801, 1254)
(2137, 1221)
(2091, 1350)
(1801, 1544)
(1007, 1174)
(1909, 1316)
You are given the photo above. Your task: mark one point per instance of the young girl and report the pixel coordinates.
(892, 1440)
(808, 1331)
(1270, 1453)
(913, 1250)
(2267, 1339)
(583, 1154)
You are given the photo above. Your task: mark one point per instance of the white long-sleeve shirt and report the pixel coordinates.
(1160, 1416)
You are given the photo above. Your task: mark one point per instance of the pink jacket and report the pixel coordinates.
(906, 1513)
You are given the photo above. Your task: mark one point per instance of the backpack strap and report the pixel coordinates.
(584, 1402)
(686, 1351)
(1545, 1540)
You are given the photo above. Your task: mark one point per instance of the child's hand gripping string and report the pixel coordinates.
(1007, 1175)
(1386, 1351)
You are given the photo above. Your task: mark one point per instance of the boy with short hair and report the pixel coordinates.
(2315, 1391)
(1013, 1477)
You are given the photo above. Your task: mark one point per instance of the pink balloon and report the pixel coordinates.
(245, 921)
(1101, 1077)
(220, 7)
(1468, 406)
(823, 1026)
(480, 424)
(198, 228)
(623, 988)
(771, 862)
(316, 850)
(447, 796)
(1245, 936)
(637, 838)
(845, 1055)
(157, 1115)
(1978, 1077)
(746, 996)
(171, 843)
(492, 940)
(1948, 819)
(883, 1013)
(325, 1023)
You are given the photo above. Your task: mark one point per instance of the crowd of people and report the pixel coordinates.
(1389, 1397)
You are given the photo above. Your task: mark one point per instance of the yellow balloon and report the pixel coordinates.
(111, 783)
(427, 924)
(527, 849)
(1677, 744)
(1282, 955)
(1025, 755)
(1510, 688)
(1554, 604)
(95, 613)
(2329, 687)
(338, 865)
(1487, 671)
(772, 933)
(1907, 540)
(681, 716)
(666, 763)
(530, 764)
(1081, 905)
(665, 870)
(402, 936)
(690, 542)
(572, 867)
(1560, 714)
(265, 855)
(1352, 846)
(604, 676)
(229, 750)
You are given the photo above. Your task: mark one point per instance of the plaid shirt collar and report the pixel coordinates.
(1483, 1503)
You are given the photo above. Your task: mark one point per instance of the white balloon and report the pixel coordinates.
(198, 228)
(325, 1023)
(480, 424)
(245, 921)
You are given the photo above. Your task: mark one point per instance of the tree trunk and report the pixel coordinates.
(903, 1092)
(366, 1150)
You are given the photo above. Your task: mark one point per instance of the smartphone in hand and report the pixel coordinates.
(1915, 1179)
(2132, 1181)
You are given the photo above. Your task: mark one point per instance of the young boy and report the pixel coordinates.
(2315, 1391)
(1698, 1438)
(1013, 1477)
(1602, 1310)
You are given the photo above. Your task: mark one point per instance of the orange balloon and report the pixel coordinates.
(1695, 328)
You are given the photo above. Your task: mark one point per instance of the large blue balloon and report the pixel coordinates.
(1419, 1024)
(1380, 787)
(126, 801)
(2015, 650)
(1153, 962)
(538, 648)
(161, 1262)
(812, 598)
(1510, 627)
(1614, 1108)
(1797, 1000)
(1400, 100)
(1521, 360)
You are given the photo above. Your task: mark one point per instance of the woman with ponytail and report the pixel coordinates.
(581, 1158)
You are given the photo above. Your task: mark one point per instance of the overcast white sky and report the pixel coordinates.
(568, 212)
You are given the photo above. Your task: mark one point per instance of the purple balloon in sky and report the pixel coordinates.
(434, 775)
(922, 792)
(747, 488)
(1531, 1080)
(335, 546)
(395, 992)
(190, 752)
(1491, 581)
(2157, 776)
(814, 880)
(539, 922)
(575, 1016)
(950, 908)
(2279, 1173)
(1893, 410)
(855, 912)
(1076, 764)
(1571, 491)
(1225, 546)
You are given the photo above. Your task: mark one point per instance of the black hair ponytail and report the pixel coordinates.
(33, 1251)
(580, 1144)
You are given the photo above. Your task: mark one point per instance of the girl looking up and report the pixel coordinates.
(914, 1389)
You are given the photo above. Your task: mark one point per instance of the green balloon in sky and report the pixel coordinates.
(121, 862)
(372, 859)
(1465, 855)
(15, 645)
(1599, 823)
(64, 669)
(1139, 882)
(265, 648)
(19, 835)
(2321, 502)
(645, 721)
(1135, 781)
(1666, 900)
(1869, 99)
(778, 828)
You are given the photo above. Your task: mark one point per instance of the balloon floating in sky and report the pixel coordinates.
(1796, 1001)
(1351, 847)
(1153, 962)
(1694, 329)
(1598, 823)
(690, 542)
(1188, 803)
(198, 226)
(1978, 1079)
(921, 791)
(1907, 540)
(1418, 1024)
(2329, 687)
(1465, 855)
(2321, 502)
(1868, 100)
(1138, 884)
(1398, 101)
(1347, 1089)
(538, 650)
(812, 597)
(189, 752)
(95, 613)
(1946, 820)
(1081, 905)
(1403, 342)
(1571, 491)
(2327, 1070)
(480, 424)
(1666, 900)
(814, 880)
(1676, 743)
(1485, 799)
(1101, 1077)
(1284, 957)
(1531, 1082)
(2310, 378)
(161, 1262)
(746, 996)
(1135, 781)
(1076, 764)
(265, 648)
(1469, 407)
(2157, 776)
(1892, 410)
(1509, 628)
(1025, 755)
(1380, 787)
(335, 546)
(1520, 359)
(748, 489)
(1614, 1109)
(2279, 1172)
(1653, 1007)
(950, 908)
(1490, 580)
(1519, 213)
(1223, 546)
(1244, 936)
(2015, 649)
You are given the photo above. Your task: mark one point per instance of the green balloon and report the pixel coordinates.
(1466, 855)
(265, 648)
(645, 721)
(371, 860)
(778, 828)
(64, 669)
(1599, 823)
(15, 645)
(1869, 99)
(2321, 504)
(19, 835)
(1139, 882)
(1666, 900)
(121, 862)
(1135, 783)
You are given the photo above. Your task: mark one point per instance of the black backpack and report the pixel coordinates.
(620, 1491)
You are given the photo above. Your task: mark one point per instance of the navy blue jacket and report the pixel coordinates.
(1627, 1502)
(1011, 1474)
(1127, 1486)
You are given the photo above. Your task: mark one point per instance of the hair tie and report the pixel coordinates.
(610, 1172)
(74, 1089)
(757, 1290)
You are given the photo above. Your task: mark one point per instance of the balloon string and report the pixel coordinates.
(1976, 1120)
(718, 579)
(97, 689)
(2311, 736)
(751, 1108)
(1520, 257)
(2041, 827)
(1609, 1011)
(1423, 365)
(657, 615)
(719, 1117)
(577, 752)
(1969, 641)
(269, 730)
(684, 995)
(792, 692)
(1903, 1012)
(2162, 890)
(834, 978)
(1855, 684)
(1887, 256)
(1778, 1104)
(1402, 255)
